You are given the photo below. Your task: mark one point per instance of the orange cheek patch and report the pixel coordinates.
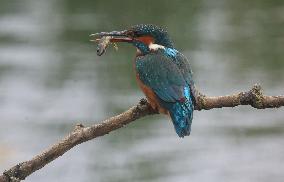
(146, 39)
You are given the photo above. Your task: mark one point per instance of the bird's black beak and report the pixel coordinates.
(116, 36)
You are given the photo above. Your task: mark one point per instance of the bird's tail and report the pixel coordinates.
(181, 113)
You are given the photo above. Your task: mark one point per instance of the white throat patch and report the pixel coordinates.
(155, 47)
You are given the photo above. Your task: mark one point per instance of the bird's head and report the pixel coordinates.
(142, 36)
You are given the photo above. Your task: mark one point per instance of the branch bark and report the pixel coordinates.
(80, 134)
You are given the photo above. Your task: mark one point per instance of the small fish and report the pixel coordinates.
(103, 44)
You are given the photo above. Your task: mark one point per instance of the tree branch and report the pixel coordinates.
(254, 98)
(81, 134)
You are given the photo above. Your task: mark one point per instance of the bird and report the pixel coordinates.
(162, 72)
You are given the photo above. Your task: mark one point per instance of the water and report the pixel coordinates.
(51, 79)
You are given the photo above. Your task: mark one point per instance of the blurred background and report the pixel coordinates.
(51, 79)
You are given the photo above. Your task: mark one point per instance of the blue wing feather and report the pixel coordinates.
(159, 73)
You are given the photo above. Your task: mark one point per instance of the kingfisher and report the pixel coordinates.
(162, 72)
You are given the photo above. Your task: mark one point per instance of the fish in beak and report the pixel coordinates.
(106, 38)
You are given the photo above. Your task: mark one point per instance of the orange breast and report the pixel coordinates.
(151, 96)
